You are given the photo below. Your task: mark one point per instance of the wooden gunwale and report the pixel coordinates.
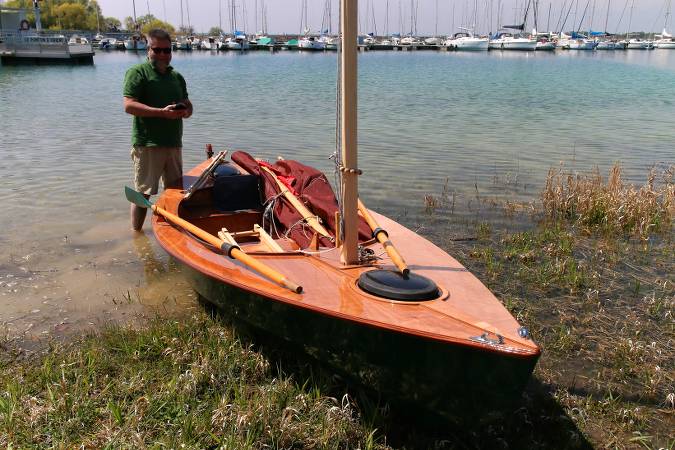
(199, 256)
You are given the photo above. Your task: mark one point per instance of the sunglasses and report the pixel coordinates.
(158, 50)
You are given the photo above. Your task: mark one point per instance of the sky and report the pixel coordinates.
(432, 16)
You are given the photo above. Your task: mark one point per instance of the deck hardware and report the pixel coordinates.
(485, 339)
(205, 175)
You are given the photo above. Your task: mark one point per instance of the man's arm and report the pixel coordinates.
(188, 111)
(135, 108)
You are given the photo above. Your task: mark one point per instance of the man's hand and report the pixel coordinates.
(170, 112)
(134, 107)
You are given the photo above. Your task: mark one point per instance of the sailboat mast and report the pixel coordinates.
(349, 23)
(182, 25)
(630, 19)
(133, 2)
(668, 10)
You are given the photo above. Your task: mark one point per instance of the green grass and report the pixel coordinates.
(602, 309)
(176, 383)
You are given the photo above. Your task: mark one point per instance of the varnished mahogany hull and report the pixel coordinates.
(449, 380)
(459, 351)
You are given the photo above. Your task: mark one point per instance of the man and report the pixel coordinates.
(156, 95)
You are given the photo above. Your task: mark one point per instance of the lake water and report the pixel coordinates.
(492, 122)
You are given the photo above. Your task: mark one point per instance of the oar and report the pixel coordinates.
(233, 251)
(382, 236)
(311, 219)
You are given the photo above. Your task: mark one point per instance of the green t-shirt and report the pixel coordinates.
(158, 90)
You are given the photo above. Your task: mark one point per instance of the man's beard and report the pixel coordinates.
(160, 65)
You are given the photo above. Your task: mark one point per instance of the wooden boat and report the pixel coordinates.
(394, 311)
(458, 349)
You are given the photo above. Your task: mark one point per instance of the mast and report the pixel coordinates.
(349, 251)
(609, 2)
(182, 25)
(400, 18)
(98, 24)
(386, 20)
(630, 18)
(187, 9)
(38, 22)
(590, 24)
(133, 2)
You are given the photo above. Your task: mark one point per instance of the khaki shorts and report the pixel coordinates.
(153, 163)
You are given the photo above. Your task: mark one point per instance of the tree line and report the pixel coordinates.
(85, 15)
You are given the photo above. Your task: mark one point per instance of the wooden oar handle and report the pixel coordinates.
(230, 250)
(383, 238)
(311, 219)
(234, 252)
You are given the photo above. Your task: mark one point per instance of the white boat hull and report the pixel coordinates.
(545, 46)
(667, 44)
(306, 44)
(634, 44)
(131, 44)
(582, 44)
(467, 44)
(520, 44)
(236, 45)
(606, 46)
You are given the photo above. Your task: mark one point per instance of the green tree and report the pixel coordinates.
(110, 24)
(72, 16)
(215, 31)
(129, 24)
(156, 23)
(55, 14)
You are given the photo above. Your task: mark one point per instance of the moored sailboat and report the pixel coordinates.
(355, 289)
(466, 41)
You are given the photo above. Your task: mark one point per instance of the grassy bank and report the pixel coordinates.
(592, 278)
(174, 383)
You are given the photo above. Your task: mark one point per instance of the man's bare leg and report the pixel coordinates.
(138, 216)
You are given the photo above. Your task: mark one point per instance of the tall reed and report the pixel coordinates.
(611, 205)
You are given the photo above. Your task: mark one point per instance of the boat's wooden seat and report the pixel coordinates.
(266, 242)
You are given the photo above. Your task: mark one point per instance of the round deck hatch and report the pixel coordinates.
(394, 286)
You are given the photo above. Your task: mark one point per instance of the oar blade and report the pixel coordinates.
(136, 198)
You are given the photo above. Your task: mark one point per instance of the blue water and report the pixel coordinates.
(424, 117)
(493, 122)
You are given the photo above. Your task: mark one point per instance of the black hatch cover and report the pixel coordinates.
(393, 285)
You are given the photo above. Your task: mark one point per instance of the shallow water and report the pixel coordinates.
(488, 123)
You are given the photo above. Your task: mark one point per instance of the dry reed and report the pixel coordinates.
(612, 206)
